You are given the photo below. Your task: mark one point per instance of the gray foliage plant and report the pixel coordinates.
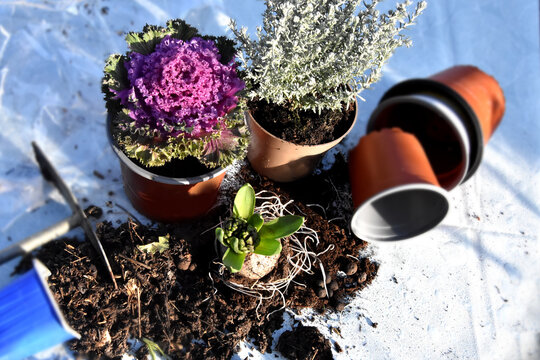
(320, 54)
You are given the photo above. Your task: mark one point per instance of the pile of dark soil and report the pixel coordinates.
(299, 126)
(176, 299)
(304, 343)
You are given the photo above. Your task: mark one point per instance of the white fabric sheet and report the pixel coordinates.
(468, 289)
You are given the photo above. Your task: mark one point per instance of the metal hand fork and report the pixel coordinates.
(78, 218)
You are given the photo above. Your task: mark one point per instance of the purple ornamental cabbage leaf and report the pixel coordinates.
(181, 89)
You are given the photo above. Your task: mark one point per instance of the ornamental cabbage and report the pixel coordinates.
(174, 95)
(181, 89)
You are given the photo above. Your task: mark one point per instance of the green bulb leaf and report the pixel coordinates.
(233, 245)
(233, 261)
(244, 202)
(281, 227)
(256, 221)
(268, 247)
(219, 236)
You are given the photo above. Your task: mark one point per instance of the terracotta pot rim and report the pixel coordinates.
(440, 107)
(433, 189)
(154, 177)
(470, 119)
(337, 140)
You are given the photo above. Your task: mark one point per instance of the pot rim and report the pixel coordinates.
(433, 189)
(439, 107)
(337, 140)
(470, 119)
(154, 177)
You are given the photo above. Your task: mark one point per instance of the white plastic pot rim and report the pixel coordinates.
(383, 233)
(439, 107)
(450, 97)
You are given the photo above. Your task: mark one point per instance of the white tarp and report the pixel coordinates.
(468, 289)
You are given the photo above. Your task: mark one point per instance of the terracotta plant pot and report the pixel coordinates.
(436, 125)
(281, 160)
(163, 198)
(481, 92)
(475, 96)
(394, 189)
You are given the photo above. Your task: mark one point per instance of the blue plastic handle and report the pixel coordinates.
(30, 319)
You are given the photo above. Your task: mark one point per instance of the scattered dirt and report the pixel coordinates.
(302, 127)
(184, 305)
(98, 175)
(93, 211)
(304, 343)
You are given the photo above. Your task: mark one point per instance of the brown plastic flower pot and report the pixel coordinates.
(475, 96)
(394, 189)
(436, 125)
(281, 160)
(481, 91)
(167, 199)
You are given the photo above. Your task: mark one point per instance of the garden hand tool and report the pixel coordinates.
(78, 218)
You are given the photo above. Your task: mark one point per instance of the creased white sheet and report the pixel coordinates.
(466, 290)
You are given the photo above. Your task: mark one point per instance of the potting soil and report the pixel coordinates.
(176, 298)
(302, 127)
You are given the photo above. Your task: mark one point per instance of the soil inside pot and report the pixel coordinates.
(188, 167)
(302, 127)
(177, 300)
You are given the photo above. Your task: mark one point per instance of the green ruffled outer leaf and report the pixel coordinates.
(244, 202)
(181, 30)
(143, 145)
(268, 247)
(256, 221)
(280, 227)
(233, 261)
(114, 79)
(226, 47)
(146, 41)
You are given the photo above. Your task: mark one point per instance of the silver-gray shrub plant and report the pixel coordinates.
(319, 54)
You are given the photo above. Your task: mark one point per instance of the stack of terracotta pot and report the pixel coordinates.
(425, 138)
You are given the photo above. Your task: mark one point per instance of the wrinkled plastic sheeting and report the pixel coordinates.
(470, 292)
(51, 58)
